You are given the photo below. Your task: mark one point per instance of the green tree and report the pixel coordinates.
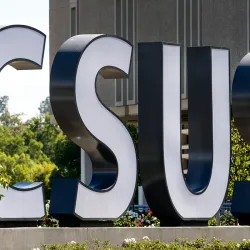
(56, 146)
(5, 139)
(42, 130)
(4, 100)
(240, 159)
(67, 158)
(21, 154)
(133, 130)
(32, 150)
(21, 168)
(17, 138)
(13, 122)
(45, 107)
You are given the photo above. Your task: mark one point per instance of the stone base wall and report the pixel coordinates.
(29, 238)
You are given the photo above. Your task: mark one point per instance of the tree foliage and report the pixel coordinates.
(22, 156)
(133, 130)
(55, 145)
(28, 149)
(3, 104)
(240, 159)
(45, 107)
(67, 158)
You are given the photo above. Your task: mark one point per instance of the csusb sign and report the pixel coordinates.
(89, 124)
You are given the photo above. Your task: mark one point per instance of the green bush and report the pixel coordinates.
(140, 219)
(212, 222)
(49, 221)
(227, 219)
(147, 244)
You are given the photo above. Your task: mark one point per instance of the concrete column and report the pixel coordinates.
(86, 168)
(141, 197)
(217, 216)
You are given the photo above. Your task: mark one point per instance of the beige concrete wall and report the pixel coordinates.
(58, 25)
(225, 23)
(157, 21)
(98, 17)
(29, 238)
(94, 17)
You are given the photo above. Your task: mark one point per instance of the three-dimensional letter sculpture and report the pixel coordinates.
(172, 198)
(241, 98)
(100, 133)
(241, 114)
(88, 123)
(22, 47)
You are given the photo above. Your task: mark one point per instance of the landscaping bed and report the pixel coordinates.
(147, 244)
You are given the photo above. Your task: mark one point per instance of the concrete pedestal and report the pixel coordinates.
(17, 224)
(96, 224)
(29, 238)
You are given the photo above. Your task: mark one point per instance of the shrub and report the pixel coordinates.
(147, 244)
(227, 219)
(212, 222)
(49, 221)
(140, 219)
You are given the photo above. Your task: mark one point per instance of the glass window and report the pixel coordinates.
(73, 21)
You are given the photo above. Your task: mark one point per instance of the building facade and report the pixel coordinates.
(220, 23)
(223, 23)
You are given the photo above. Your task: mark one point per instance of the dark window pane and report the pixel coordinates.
(118, 90)
(73, 21)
